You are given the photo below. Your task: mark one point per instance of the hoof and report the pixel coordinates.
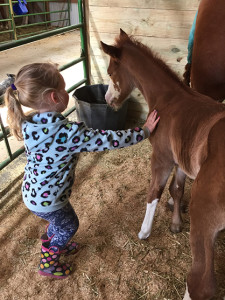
(142, 235)
(175, 228)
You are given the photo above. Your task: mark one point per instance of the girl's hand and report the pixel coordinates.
(152, 121)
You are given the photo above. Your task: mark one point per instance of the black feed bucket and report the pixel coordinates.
(92, 108)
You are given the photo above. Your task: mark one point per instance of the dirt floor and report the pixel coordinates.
(109, 197)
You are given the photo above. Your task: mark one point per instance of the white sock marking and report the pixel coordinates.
(186, 296)
(146, 227)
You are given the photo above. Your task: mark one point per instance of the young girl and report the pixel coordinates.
(52, 144)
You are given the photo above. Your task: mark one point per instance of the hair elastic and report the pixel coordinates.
(13, 87)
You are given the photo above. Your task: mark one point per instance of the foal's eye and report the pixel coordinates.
(109, 74)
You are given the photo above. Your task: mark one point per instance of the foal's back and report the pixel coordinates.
(190, 131)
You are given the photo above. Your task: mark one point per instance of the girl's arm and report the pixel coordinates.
(82, 138)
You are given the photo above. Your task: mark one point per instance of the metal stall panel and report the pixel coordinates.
(4, 132)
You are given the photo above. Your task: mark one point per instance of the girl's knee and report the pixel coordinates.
(73, 226)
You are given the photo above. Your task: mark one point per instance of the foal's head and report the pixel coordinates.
(121, 82)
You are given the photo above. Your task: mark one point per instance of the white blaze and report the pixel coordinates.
(112, 93)
(146, 227)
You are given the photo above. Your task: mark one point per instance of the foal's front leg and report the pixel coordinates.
(160, 173)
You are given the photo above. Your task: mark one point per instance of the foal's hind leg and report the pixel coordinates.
(207, 218)
(160, 173)
(176, 191)
(201, 279)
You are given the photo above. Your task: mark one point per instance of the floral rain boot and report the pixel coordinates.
(70, 249)
(50, 265)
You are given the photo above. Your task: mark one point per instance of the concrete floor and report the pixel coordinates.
(60, 49)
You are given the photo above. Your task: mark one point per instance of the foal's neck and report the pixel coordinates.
(151, 76)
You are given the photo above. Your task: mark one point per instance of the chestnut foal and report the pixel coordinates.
(190, 137)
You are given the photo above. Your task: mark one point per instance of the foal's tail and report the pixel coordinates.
(187, 74)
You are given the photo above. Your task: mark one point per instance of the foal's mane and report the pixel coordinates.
(124, 39)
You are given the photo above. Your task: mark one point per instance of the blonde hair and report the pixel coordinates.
(32, 83)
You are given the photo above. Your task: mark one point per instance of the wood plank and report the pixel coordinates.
(99, 67)
(164, 25)
(156, 4)
(103, 77)
(142, 22)
(172, 51)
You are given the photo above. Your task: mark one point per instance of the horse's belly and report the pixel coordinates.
(191, 158)
(191, 172)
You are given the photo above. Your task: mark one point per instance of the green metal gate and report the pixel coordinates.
(40, 16)
(4, 132)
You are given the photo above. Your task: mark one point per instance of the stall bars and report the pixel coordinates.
(84, 58)
(10, 19)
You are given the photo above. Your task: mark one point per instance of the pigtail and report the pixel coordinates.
(29, 89)
(15, 115)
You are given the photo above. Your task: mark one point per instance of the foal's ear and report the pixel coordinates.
(111, 50)
(122, 33)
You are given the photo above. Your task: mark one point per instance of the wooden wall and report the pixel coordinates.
(162, 24)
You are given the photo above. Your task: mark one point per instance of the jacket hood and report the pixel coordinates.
(40, 128)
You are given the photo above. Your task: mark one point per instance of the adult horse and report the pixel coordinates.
(206, 69)
(190, 137)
